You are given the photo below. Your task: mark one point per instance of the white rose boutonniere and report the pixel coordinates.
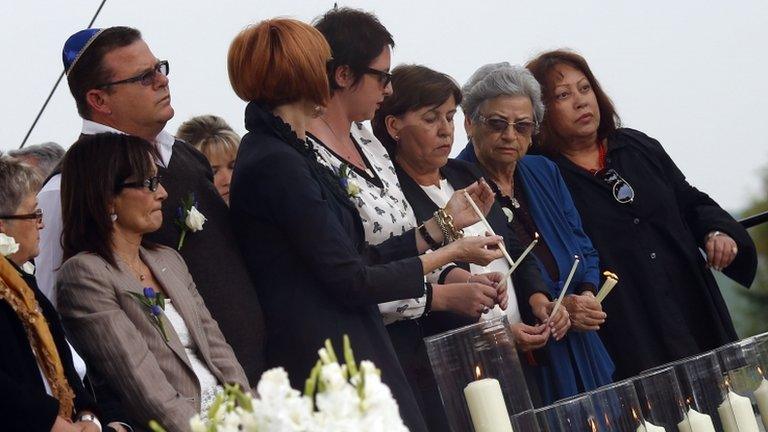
(188, 218)
(350, 186)
(28, 268)
(8, 245)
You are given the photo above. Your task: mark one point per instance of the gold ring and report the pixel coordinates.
(735, 250)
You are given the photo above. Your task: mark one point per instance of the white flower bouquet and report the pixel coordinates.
(338, 397)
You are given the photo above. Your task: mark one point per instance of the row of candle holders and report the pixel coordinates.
(483, 390)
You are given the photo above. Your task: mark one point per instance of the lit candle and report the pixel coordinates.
(489, 228)
(696, 422)
(610, 281)
(522, 255)
(486, 405)
(761, 394)
(565, 286)
(736, 414)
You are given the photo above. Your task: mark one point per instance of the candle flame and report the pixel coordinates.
(592, 424)
(760, 371)
(535, 236)
(477, 372)
(634, 414)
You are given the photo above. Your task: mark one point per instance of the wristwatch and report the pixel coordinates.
(90, 418)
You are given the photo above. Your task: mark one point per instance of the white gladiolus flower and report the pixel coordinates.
(8, 245)
(195, 219)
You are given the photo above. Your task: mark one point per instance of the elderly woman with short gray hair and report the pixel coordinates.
(503, 107)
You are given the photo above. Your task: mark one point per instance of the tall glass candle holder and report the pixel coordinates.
(576, 414)
(479, 376)
(526, 422)
(661, 400)
(745, 385)
(618, 408)
(702, 385)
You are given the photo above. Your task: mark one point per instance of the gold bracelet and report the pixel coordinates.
(440, 218)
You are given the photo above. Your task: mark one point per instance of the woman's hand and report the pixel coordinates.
(528, 338)
(63, 425)
(585, 311)
(542, 308)
(492, 279)
(475, 249)
(721, 250)
(461, 210)
(468, 299)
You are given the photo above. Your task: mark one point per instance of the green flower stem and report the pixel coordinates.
(181, 239)
(349, 357)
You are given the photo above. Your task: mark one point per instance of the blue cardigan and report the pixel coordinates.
(579, 362)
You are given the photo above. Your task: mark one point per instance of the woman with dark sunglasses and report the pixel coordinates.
(502, 109)
(645, 219)
(129, 305)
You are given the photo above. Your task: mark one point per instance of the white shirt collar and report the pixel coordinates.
(164, 140)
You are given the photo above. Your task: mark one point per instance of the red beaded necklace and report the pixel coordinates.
(601, 155)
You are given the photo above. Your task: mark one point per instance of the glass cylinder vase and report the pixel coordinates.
(746, 387)
(576, 414)
(702, 384)
(479, 376)
(618, 408)
(660, 399)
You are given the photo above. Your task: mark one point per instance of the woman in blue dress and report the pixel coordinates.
(502, 107)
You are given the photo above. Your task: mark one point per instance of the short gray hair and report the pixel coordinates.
(47, 155)
(501, 79)
(17, 180)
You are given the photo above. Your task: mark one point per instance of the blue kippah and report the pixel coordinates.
(76, 45)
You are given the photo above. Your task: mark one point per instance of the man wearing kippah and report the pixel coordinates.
(119, 86)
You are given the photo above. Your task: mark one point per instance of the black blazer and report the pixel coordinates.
(303, 243)
(24, 404)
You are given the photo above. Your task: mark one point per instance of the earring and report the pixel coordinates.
(113, 217)
(317, 111)
(397, 137)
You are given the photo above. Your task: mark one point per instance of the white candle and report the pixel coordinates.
(761, 394)
(565, 286)
(650, 427)
(610, 281)
(522, 255)
(736, 414)
(696, 422)
(486, 406)
(489, 228)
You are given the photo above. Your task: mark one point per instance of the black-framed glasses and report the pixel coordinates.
(151, 183)
(522, 127)
(622, 190)
(37, 214)
(384, 77)
(146, 78)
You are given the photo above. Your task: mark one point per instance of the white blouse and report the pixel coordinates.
(209, 385)
(380, 202)
(440, 196)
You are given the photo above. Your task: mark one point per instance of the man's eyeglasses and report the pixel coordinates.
(622, 191)
(522, 127)
(146, 78)
(38, 214)
(151, 183)
(384, 77)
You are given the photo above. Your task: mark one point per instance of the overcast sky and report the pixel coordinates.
(689, 73)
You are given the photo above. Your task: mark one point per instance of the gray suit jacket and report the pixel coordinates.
(117, 338)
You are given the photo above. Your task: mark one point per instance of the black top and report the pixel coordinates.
(667, 302)
(24, 404)
(212, 256)
(304, 245)
(408, 335)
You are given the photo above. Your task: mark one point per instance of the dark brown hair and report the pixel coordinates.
(89, 71)
(92, 173)
(543, 69)
(356, 38)
(415, 87)
(279, 61)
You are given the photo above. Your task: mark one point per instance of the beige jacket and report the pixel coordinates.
(121, 344)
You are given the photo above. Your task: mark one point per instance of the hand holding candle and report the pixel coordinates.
(610, 281)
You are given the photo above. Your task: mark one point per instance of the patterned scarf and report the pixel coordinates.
(15, 292)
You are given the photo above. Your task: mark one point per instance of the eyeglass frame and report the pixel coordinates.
(148, 75)
(616, 183)
(384, 77)
(151, 183)
(534, 125)
(37, 214)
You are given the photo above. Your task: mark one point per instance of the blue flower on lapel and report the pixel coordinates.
(154, 303)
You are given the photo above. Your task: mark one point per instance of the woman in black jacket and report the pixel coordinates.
(301, 236)
(646, 221)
